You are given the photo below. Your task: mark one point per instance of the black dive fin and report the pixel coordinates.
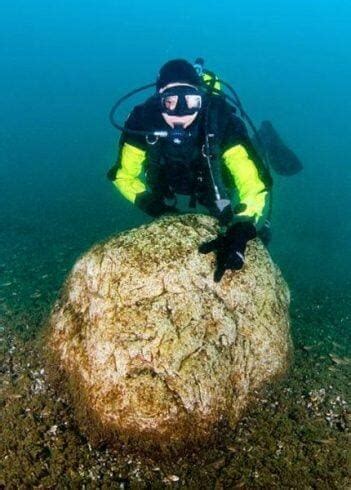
(283, 160)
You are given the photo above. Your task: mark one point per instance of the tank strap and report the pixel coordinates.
(211, 153)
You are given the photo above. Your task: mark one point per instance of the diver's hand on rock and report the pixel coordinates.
(230, 247)
(153, 205)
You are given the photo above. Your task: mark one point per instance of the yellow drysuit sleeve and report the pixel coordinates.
(251, 190)
(128, 180)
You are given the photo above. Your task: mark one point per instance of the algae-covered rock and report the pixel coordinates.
(153, 349)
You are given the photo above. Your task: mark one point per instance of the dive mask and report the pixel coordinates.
(181, 101)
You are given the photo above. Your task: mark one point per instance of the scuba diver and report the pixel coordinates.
(190, 139)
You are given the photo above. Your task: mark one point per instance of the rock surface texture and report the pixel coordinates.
(153, 349)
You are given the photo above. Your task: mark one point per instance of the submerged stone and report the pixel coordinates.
(153, 349)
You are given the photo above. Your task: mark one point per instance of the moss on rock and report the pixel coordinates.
(153, 349)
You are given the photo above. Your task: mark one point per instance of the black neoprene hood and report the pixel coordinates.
(177, 71)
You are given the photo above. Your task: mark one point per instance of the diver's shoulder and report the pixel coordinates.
(150, 104)
(140, 115)
(229, 123)
(217, 100)
(222, 107)
(145, 111)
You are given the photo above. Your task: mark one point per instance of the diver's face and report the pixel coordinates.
(183, 121)
(176, 96)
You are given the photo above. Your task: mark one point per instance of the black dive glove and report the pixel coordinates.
(153, 205)
(230, 247)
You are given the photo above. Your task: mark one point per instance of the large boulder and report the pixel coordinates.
(152, 348)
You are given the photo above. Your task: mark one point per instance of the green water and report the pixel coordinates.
(63, 65)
